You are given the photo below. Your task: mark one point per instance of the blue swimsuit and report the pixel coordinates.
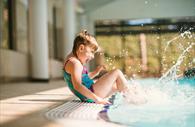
(86, 81)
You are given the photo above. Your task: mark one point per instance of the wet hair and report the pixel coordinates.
(84, 38)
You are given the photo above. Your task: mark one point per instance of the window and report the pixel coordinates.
(4, 42)
(120, 41)
(7, 36)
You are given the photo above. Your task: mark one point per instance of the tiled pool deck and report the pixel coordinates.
(30, 104)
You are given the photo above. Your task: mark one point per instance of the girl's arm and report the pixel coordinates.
(76, 75)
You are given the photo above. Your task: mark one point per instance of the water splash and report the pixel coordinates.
(184, 34)
(175, 107)
(170, 41)
(164, 90)
(124, 53)
(167, 103)
(171, 74)
(111, 62)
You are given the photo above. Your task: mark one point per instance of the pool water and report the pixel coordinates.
(168, 105)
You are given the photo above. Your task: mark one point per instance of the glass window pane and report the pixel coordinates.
(21, 27)
(4, 43)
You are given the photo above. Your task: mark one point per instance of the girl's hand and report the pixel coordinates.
(102, 101)
(100, 68)
(97, 71)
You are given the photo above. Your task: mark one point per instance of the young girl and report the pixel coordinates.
(81, 82)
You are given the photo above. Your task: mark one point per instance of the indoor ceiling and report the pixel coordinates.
(91, 5)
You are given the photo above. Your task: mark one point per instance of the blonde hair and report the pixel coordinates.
(86, 39)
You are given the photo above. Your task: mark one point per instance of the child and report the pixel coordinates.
(80, 81)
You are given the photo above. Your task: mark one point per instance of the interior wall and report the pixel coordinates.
(55, 69)
(13, 65)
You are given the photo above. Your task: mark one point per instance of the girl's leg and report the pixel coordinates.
(105, 84)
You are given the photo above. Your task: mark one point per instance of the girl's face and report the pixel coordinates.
(85, 54)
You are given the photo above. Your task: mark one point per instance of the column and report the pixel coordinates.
(1, 21)
(143, 52)
(69, 26)
(39, 39)
(91, 30)
(83, 21)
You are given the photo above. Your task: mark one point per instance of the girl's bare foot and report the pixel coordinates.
(134, 94)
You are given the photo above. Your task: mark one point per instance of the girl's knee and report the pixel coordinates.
(116, 71)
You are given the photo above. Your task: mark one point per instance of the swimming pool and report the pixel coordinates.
(168, 105)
